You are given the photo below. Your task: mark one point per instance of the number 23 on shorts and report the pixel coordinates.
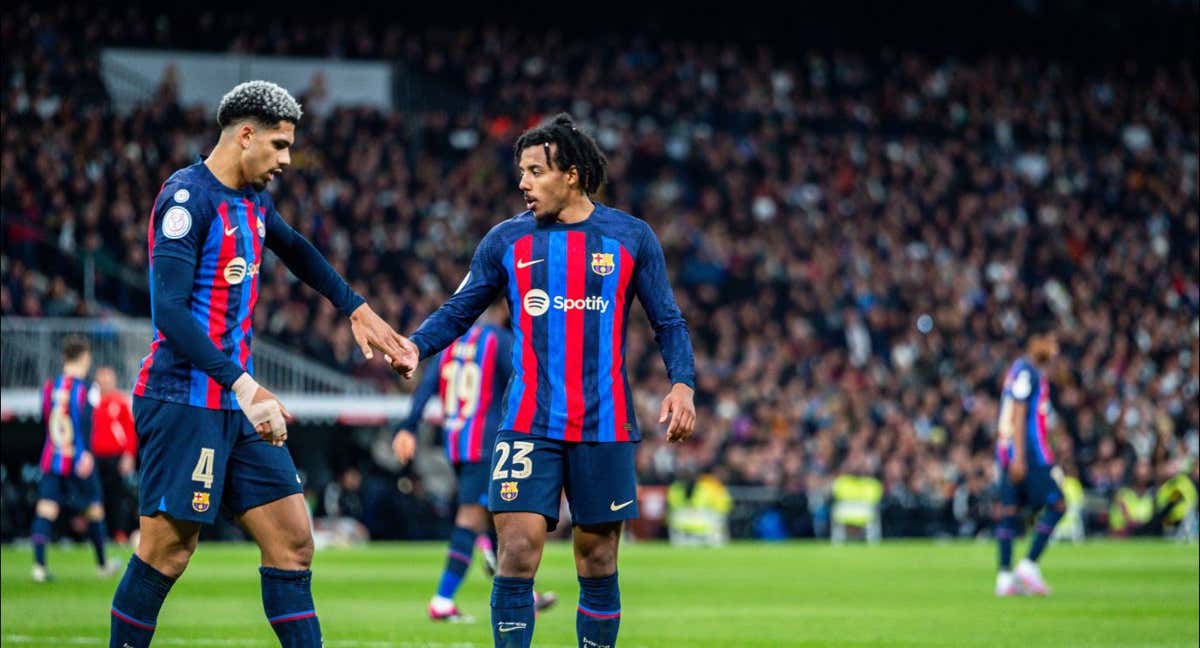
(522, 465)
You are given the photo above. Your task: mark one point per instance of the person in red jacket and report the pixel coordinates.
(114, 444)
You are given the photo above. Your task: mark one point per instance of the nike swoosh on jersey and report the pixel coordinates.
(525, 264)
(231, 230)
(613, 506)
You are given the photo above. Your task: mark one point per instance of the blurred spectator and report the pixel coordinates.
(114, 444)
(698, 509)
(1133, 506)
(855, 508)
(342, 497)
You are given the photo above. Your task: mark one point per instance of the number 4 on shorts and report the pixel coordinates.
(204, 467)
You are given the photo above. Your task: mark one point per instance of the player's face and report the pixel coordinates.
(1044, 348)
(106, 379)
(267, 152)
(546, 189)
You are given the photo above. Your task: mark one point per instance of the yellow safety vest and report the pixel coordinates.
(1181, 489)
(855, 499)
(708, 493)
(1140, 509)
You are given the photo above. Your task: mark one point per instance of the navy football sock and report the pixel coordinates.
(97, 531)
(458, 559)
(1005, 533)
(287, 600)
(40, 535)
(1045, 527)
(512, 612)
(599, 614)
(136, 604)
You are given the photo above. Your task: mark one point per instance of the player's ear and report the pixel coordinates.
(572, 177)
(245, 133)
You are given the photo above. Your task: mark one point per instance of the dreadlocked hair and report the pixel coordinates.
(573, 148)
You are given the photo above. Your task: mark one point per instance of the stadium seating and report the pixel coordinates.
(858, 241)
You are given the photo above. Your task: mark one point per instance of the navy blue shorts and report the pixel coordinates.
(70, 491)
(473, 482)
(1038, 489)
(528, 474)
(194, 460)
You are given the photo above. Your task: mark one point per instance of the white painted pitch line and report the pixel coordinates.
(222, 643)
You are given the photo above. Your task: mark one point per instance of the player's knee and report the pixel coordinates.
(293, 552)
(47, 509)
(301, 552)
(518, 556)
(95, 512)
(596, 560)
(170, 558)
(471, 517)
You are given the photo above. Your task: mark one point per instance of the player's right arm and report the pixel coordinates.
(1017, 411)
(404, 444)
(178, 238)
(477, 291)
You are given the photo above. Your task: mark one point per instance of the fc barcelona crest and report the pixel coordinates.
(602, 263)
(508, 491)
(199, 501)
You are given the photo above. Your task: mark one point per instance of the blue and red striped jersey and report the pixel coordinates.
(1024, 383)
(206, 246)
(569, 287)
(469, 378)
(197, 218)
(67, 417)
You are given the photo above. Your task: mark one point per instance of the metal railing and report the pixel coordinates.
(29, 353)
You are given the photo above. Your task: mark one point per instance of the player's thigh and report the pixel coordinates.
(259, 473)
(282, 530)
(86, 492)
(526, 476)
(522, 536)
(1043, 488)
(52, 492)
(473, 478)
(1011, 494)
(166, 543)
(185, 452)
(601, 482)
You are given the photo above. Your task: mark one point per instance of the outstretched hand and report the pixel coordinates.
(406, 363)
(679, 406)
(372, 333)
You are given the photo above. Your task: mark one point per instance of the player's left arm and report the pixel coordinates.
(87, 411)
(671, 333)
(308, 264)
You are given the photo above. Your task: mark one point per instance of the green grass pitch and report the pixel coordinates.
(917, 594)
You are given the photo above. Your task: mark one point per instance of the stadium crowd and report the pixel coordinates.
(857, 241)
